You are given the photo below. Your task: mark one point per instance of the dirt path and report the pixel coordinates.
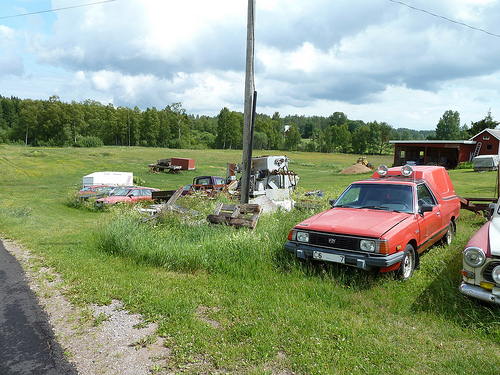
(96, 339)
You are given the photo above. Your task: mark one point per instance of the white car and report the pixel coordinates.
(481, 261)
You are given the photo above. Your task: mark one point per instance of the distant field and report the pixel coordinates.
(274, 314)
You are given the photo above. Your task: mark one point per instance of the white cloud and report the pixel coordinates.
(11, 64)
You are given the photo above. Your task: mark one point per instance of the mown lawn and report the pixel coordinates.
(233, 300)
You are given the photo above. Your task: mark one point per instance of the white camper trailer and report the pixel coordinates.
(486, 163)
(108, 178)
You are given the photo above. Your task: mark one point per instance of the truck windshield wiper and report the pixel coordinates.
(377, 208)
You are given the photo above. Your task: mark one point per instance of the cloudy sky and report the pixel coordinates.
(374, 60)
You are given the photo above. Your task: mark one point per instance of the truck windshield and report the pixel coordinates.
(378, 196)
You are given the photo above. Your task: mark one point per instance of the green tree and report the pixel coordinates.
(223, 138)
(28, 121)
(344, 138)
(360, 139)
(77, 120)
(374, 139)
(329, 138)
(317, 142)
(293, 138)
(266, 127)
(478, 126)
(178, 120)
(386, 134)
(337, 119)
(260, 141)
(150, 125)
(93, 114)
(309, 129)
(448, 126)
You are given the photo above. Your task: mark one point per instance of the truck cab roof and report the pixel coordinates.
(437, 177)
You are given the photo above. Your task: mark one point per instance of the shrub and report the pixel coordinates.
(465, 165)
(88, 142)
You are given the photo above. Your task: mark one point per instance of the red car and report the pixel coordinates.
(128, 194)
(383, 223)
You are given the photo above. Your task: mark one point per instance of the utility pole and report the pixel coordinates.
(249, 105)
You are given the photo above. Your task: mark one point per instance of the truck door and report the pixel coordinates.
(430, 223)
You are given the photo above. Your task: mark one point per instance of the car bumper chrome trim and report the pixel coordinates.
(479, 293)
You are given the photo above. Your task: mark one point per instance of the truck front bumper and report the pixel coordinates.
(365, 261)
(482, 294)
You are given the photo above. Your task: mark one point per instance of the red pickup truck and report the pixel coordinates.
(384, 222)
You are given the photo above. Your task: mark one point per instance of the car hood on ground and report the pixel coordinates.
(354, 221)
(494, 236)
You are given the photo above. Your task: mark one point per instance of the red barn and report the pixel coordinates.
(487, 142)
(446, 153)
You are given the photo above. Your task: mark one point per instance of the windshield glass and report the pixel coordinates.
(378, 196)
(121, 192)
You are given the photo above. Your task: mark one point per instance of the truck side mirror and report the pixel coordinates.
(332, 202)
(426, 208)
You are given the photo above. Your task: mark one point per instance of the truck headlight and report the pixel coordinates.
(474, 256)
(367, 245)
(303, 236)
(495, 274)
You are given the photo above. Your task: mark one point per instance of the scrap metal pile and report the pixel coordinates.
(270, 179)
(269, 176)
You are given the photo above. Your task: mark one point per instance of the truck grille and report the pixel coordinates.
(488, 270)
(334, 241)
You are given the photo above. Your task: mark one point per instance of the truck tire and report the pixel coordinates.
(450, 233)
(405, 270)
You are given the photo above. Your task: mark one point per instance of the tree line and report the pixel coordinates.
(90, 123)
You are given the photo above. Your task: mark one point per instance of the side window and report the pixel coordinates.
(135, 193)
(351, 196)
(424, 195)
(219, 181)
(204, 181)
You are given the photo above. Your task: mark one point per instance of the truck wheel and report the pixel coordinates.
(407, 266)
(450, 233)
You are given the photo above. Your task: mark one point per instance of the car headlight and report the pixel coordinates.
(495, 274)
(474, 256)
(303, 236)
(367, 245)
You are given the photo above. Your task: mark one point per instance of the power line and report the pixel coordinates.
(445, 18)
(55, 10)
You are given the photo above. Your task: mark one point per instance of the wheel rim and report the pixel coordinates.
(408, 264)
(449, 235)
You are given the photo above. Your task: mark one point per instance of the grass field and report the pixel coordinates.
(273, 314)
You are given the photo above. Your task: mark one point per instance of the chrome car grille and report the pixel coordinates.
(488, 270)
(334, 241)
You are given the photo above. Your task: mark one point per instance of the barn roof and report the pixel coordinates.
(494, 132)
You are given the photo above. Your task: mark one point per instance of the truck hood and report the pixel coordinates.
(354, 221)
(494, 236)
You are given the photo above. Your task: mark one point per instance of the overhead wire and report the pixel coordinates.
(55, 10)
(445, 18)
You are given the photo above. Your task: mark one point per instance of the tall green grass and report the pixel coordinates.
(187, 242)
